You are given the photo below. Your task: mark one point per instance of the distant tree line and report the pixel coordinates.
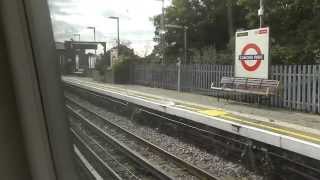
(294, 25)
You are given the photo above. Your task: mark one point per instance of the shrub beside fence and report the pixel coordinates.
(300, 84)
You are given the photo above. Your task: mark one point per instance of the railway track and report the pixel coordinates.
(123, 167)
(94, 158)
(170, 165)
(268, 160)
(125, 163)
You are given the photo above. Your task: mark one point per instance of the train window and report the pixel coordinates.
(185, 89)
(167, 89)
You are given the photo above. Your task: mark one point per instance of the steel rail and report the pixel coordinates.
(91, 154)
(209, 133)
(235, 141)
(123, 148)
(100, 96)
(213, 134)
(109, 156)
(163, 117)
(190, 167)
(81, 167)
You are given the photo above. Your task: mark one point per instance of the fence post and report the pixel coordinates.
(299, 102)
(314, 89)
(318, 74)
(300, 83)
(179, 76)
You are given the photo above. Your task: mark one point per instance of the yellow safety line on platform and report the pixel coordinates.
(218, 113)
(223, 114)
(213, 112)
(277, 129)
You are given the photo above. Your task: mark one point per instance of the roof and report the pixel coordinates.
(60, 46)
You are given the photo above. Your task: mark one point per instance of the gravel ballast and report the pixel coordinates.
(209, 162)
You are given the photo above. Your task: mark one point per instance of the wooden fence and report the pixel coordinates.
(300, 84)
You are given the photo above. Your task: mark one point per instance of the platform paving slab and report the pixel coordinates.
(301, 125)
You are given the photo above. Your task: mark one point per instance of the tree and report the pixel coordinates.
(208, 22)
(294, 25)
(126, 54)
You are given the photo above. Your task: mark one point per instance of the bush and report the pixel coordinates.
(122, 71)
(209, 55)
(102, 64)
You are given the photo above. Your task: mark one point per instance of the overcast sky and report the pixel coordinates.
(74, 16)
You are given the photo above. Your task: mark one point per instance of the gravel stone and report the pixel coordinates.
(189, 152)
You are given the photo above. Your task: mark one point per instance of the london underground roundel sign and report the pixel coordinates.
(252, 49)
(244, 57)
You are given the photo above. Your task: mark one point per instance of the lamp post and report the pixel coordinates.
(77, 35)
(185, 30)
(94, 36)
(94, 32)
(260, 13)
(118, 40)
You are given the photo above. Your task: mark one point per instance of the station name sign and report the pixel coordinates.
(252, 53)
(251, 57)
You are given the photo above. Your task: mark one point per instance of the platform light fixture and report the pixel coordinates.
(118, 31)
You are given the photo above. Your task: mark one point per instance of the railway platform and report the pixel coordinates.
(294, 131)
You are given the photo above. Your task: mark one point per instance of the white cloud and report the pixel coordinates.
(135, 24)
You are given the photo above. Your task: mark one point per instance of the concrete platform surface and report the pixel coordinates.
(297, 124)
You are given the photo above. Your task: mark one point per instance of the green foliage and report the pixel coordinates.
(126, 54)
(201, 18)
(103, 63)
(295, 28)
(122, 70)
(208, 26)
(294, 25)
(209, 55)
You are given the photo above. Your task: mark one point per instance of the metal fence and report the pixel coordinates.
(300, 84)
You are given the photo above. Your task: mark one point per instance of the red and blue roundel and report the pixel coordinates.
(256, 57)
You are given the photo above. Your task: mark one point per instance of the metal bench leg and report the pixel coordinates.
(230, 96)
(269, 101)
(227, 97)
